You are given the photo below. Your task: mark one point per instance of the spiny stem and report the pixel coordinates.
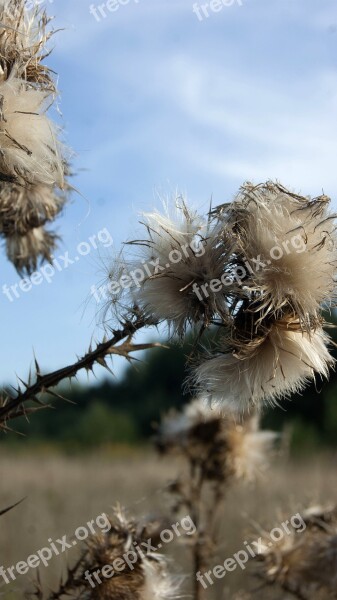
(15, 407)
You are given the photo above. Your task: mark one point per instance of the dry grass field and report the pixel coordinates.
(64, 492)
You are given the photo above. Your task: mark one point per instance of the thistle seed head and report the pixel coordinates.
(304, 563)
(182, 252)
(295, 239)
(211, 438)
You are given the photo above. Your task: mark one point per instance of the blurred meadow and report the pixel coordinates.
(76, 461)
(65, 491)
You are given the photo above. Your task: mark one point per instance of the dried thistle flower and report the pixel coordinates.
(260, 268)
(33, 166)
(23, 208)
(25, 251)
(23, 38)
(211, 438)
(265, 368)
(146, 579)
(295, 239)
(304, 564)
(105, 548)
(182, 251)
(217, 452)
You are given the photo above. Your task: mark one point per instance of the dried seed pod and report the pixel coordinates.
(214, 440)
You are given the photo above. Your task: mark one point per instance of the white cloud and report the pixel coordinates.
(275, 131)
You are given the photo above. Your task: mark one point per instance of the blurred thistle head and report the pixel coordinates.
(212, 440)
(25, 251)
(30, 150)
(181, 253)
(23, 39)
(146, 579)
(303, 561)
(33, 165)
(137, 574)
(23, 208)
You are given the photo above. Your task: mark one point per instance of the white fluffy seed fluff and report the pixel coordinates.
(180, 254)
(250, 449)
(159, 584)
(29, 148)
(295, 239)
(281, 364)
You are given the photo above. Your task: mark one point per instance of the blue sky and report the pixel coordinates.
(154, 101)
